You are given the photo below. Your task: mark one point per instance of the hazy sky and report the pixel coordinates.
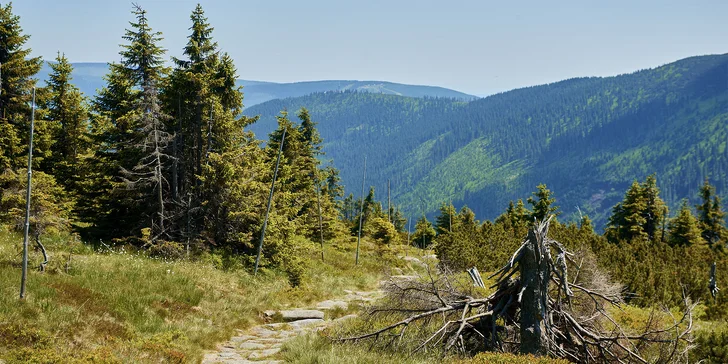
(475, 46)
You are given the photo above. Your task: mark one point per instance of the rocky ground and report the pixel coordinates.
(262, 343)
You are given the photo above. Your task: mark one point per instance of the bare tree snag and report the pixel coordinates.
(568, 319)
(43, 251)
(533, 297)
(361, 211)
(24, 272)
(475, 276)
(270, 200)
(320, 219)
(713, 282)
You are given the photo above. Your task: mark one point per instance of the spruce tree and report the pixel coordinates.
(710, 215)
(68, 110)
(189, 100)
(424, 233)
(144, 67)
(18, 70)
(446, 220)
(543, 203)
(128, 171)
(628, 221)
(333, 186)
(684, 229)
(640, 214)
(400, 222)
(655, 208)
(516, 215)
(105, 201)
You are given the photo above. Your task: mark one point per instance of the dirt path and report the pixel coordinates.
(262, 343)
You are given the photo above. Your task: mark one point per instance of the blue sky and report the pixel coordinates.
(475, 46)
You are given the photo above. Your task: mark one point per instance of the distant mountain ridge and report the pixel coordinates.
(586, 138)
(89, 77)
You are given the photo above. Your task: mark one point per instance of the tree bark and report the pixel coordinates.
(535, 274)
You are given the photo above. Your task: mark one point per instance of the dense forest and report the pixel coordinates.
(162, 161)
(159, 158)
(587, 138)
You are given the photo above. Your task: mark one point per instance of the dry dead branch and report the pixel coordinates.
(568, 319)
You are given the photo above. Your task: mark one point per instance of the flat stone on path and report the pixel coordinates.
(264, 353)
(295, 315)
(262, 332)
(307, 323)
(258, 343)
(251, 346)
(329, 304)
(237, 339)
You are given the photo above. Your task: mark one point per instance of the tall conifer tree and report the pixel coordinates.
(710, 215)
(18, 70)
(67, 109)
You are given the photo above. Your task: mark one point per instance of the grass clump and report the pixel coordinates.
(124, 306)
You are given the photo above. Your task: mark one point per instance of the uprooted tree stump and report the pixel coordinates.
(535, 309)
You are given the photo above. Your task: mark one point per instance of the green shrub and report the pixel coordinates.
(711, 347)
(500, 358)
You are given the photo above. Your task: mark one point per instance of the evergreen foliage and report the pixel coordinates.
(18, 70)
(640, 214)
(684, 228)
(68, 111)
(424, 233)
(711, 215)
(543, 203)
(162, 158)
(586, 138)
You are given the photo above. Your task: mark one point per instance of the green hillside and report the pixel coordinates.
(88, 77)
(586, 138)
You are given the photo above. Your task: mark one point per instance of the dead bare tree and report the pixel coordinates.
(536, 308)
(713, 282)
(148, 173)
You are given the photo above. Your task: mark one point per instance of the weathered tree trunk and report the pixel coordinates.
(320, 220)
(176, 151)
(389, 202)
(535, 274)
(270, 200)
(43, 251)
(361, 211)
(159, 179)
(198, 134)
(24, 272)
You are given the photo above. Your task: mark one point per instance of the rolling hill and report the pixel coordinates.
(586, 138)
(89, 77)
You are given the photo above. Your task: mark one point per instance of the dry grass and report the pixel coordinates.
(122, 307)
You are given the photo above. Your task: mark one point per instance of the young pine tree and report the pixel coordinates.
(640, 214)
(424, 233)
(684, 229)
(627, 221)
(543, 203)
(447, 219)
(655, 208)
(710, 215)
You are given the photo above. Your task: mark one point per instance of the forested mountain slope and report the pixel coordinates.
(89, 78)
(586, 138)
